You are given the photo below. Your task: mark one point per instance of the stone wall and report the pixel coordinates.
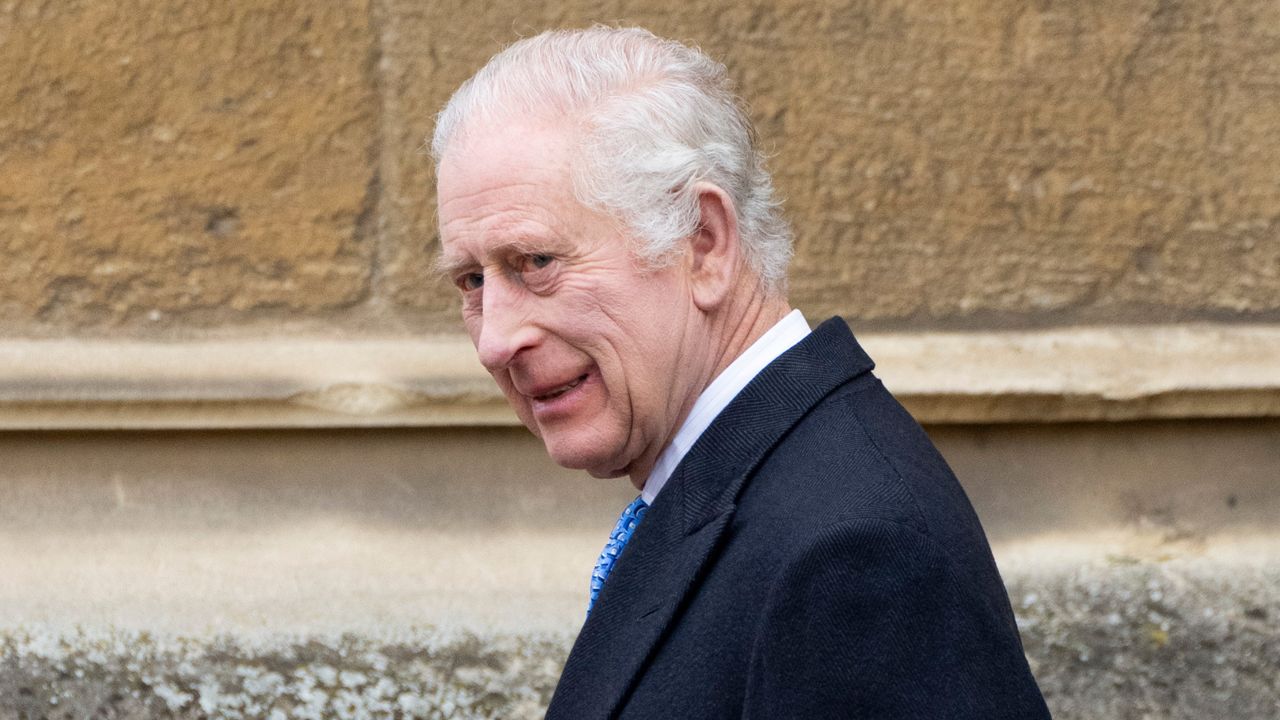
(175, 169)
(172, 165)
(442, 573)
(218, 218)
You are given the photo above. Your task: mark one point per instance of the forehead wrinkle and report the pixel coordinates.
(502, 214)
(491, 205)
(493, 211)
(542, 187)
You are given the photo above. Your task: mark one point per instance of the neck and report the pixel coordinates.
(729, 332)
(758, 314)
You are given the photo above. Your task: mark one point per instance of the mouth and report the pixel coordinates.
(556, 392)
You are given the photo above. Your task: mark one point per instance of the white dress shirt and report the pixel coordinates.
(778, 339)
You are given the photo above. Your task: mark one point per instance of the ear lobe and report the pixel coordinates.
(715, 248)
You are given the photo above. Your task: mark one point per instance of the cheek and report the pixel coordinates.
(474, 322)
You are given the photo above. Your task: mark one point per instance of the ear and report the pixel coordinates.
(715, 250)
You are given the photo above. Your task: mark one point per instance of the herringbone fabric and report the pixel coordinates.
(811, 557)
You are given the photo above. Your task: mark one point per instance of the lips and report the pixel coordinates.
(557, 391)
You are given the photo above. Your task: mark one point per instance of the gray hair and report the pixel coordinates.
(655, 117)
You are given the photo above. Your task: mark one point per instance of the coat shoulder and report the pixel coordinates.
(858, 455)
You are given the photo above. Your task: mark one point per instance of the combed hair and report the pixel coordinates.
(654, 118)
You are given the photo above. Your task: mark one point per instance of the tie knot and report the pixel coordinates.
(627, 522)
(632, 514)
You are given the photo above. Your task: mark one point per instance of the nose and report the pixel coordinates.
(506, 327)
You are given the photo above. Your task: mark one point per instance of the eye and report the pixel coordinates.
(470, 281)
(538, 272)
(533, 267)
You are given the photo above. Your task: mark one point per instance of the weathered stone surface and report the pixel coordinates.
(1121, 638)
(175, 164)
(1058, 375)
(418, 674)
(985, 163)
(235, 569)
(1125, 638)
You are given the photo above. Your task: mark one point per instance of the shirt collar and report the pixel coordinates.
(778, 339)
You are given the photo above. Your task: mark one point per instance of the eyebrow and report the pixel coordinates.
(448, 265)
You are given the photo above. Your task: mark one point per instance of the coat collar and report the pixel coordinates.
(664, 559)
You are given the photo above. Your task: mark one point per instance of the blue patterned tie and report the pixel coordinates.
(627, 523)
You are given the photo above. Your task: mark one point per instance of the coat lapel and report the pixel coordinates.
(648, 582)
(666, 557)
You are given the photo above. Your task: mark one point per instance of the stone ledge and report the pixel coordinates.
(1073, 374)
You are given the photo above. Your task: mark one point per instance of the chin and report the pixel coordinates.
(577, 455)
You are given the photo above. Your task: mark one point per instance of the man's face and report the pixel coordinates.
(589, 346)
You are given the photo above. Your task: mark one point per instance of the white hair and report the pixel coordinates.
(654, 117)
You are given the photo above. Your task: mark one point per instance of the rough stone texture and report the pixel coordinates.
(985, 163)
(1121, 638)
(172, 167)
(135, 676)
(168, 164)
(231, 574)
(1130, 639)
(176, 168)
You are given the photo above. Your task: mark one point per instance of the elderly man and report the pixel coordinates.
(798, 549)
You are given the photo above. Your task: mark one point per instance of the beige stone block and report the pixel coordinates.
(977, 164)
(183, 164)
(170, 168)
